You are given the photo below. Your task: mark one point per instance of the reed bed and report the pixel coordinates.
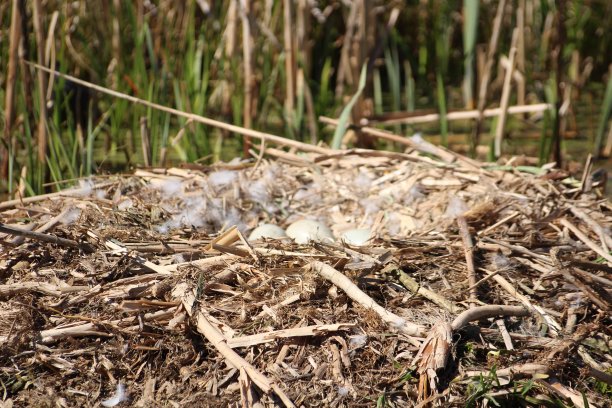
(277, 66)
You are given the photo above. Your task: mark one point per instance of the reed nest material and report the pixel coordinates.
(479, 282)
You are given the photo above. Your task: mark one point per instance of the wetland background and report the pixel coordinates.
(278, 66)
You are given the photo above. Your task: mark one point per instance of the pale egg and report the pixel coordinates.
(267, 231)
(304, 231)
(357, 237)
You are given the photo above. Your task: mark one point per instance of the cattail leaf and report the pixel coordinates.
(346, 112)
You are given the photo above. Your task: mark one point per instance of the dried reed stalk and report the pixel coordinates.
(520, 45)
(505, 98)
(147, 154)
(249, 80)
(195, 118)
(413, 118)
(218, 340)
(52, 239)
(42, 82)
(586, 240)
(11, 81)
(468, 249)
(486, 74)
(289, 63)
(344, 283)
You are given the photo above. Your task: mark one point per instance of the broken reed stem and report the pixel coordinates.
(518, 78)
(607, 151)
(554, 327)
(505, 98)
(606, 240)
(435, 350)
(412, 118)
(485, 312)
(468, 249)
(42, 83)
(247, 53)
(486, 77)
(585, 181)
(195, 118)
(42, 197)
(48, 289)
(406, 141)
(218, 340)
(344, 283)
(528, 369)
(90, 329)
(414, 287)
(505, 334)
(52, 239)
(213, 260)
(499, 223)
(520, 51)
(9, 95)
(146, 143)
(483, 280)
(310, 112)
(344, 66)
(586, 240)
(132, 255)
(288, 48)
(50, 57)
(305, 331)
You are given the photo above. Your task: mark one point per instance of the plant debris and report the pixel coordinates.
(472, 283)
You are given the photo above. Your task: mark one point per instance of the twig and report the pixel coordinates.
(483, 280)
(503, 105)
(52, 239)
(196, 118)
(485, 312)
(468, 249)
(486, 75)
(135, 257)
(595, 370)
(592, 277)
(587, 241)
(606, 240)
(513, 372)
(519, 249)
(90, 329)
(306, 331)
(416, 118)
(344, 283)
(383, 134)
(219, 341)
(548, 320)
(564, 392)
(504, 332)
(498, 223)
(213, 260)
(65, 193)
(415, 287)
(44, 288)
(379, 153)
(586, 289)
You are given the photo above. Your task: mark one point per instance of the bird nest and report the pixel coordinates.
(477, 284)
